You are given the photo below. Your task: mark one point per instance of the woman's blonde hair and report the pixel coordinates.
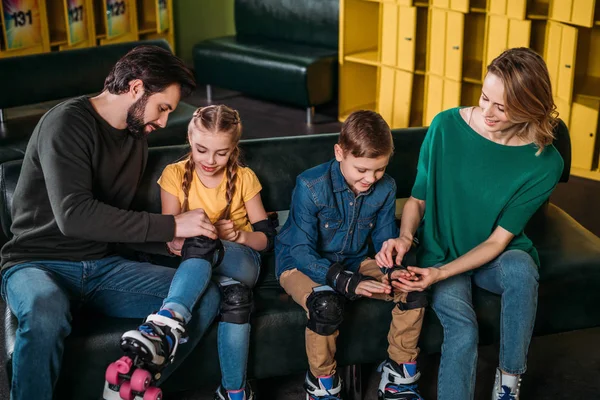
(528, 98)
(215, 119)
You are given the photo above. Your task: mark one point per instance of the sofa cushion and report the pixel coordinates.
(312, 22)
(291, 73)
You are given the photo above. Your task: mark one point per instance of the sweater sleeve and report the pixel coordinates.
(526, 202)
(66, 150)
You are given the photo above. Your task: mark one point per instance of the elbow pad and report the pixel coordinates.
(267, 226)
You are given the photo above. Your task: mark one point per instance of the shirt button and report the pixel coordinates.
(371, 225)
(351, 231)
(326, 225)
(351, 203)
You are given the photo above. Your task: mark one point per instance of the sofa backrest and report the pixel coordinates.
(312, 22)
(276, 161)
(60, 74)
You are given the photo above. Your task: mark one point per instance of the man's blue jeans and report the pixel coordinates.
(514, 276)
(42, 294)
(240, 263)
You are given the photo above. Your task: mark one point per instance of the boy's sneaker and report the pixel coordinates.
(506, 387)
(398, 381)
(322, 388)
(242, 394)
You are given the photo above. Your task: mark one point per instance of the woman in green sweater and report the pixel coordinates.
(482, 173)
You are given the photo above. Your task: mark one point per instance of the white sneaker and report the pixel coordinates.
(506, 387)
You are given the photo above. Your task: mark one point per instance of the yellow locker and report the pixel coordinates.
(436, 42)
(566, 70)
(434, 92)
(505, 33)
(407, 31)
(454, 45)
(583, 129)
(516, 9)
(552, 52)
(389, 34)
(385, 99)
(441, 4)
(440, 94)
(497, 7)
(519, 32)
(560, 10)
(402, 99)
(564, 110)
(582, 12)
(460, 5)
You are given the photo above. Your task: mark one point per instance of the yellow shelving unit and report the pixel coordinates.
(56, 25)
(24, 31)
(409, 60)
(155, 20)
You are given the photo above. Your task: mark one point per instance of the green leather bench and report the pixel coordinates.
(568, 294)
(284, 51)
(60, 75)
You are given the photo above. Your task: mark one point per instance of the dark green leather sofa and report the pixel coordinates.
(59, 75)
(284, 51)
(568, 294)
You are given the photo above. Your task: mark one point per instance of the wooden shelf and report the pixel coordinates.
(478, 10)
(472, 71)
(369, 57)
(589, 87)
(584, 173)
(421, 4)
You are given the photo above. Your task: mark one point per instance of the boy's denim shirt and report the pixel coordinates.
(328, 223)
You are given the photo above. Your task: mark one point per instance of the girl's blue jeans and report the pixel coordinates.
(240, 263)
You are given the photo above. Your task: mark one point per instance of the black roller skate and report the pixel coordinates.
(148, 350)
(398, 381)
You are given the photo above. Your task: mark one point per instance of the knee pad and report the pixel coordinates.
(325, 310)
(202, 247)
(414, 300)
(236, 304)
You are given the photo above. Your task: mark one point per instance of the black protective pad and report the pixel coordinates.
(236, 305)
(325, 310)
(204, 248)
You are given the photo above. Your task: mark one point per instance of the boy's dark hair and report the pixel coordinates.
(156, 67)
(366, 134)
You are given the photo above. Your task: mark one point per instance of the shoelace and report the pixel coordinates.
(326, 397)
(406, 388)
(507, 395)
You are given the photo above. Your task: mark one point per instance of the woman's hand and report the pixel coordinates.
(399, 245)
(425, 277)
(226, 230)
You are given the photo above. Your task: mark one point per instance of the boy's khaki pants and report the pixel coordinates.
(402, 337)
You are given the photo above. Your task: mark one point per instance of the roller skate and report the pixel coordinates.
(398, 381)
(323, 387)
(246, 394)
(148, 350)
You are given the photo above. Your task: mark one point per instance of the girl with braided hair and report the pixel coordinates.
(212, 178)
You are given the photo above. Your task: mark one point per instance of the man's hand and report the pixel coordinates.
(194, 223)
(385, 257)
(401, 273)
(369, 287)
(427, 277)
(226, 230)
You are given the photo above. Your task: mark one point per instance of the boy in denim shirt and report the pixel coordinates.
(321, 256)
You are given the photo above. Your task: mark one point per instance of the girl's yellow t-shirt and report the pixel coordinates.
(214, 200)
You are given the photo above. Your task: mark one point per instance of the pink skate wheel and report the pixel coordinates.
(112, 374)
(140, 380)
(125, 391)
(153, 393)
(124, 364)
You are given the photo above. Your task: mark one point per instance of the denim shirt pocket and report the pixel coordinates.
(365, 227)
(327, 230)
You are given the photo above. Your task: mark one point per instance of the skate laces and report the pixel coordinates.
(409, 388)
(152, 331)
(507, 394)
(326, 397)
